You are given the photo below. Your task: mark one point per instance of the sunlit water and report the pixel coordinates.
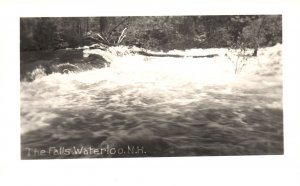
(161, 106)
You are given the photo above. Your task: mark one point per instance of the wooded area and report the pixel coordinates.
(155, 33)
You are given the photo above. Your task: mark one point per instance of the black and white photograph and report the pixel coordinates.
(149, 92)
(151, 86)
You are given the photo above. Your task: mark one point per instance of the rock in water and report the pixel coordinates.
(65, 68)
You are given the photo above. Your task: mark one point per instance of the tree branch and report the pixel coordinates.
(110, 32)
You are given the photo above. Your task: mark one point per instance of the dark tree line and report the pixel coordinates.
(158, 33)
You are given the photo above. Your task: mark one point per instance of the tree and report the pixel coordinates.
(257, 37)
(45, 33)
(102, 25)
(263, 31)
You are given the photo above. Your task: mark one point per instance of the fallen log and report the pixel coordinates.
(144, 53)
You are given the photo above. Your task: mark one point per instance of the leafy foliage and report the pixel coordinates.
(157, 33)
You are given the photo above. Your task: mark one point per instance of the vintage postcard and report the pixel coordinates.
(151, 86)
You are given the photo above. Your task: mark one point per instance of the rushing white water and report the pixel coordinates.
(170, 106)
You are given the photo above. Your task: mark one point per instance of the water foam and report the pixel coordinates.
(154, 97)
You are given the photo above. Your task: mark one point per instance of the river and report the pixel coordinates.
(141, 106)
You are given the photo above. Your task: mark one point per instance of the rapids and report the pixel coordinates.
(166, 106)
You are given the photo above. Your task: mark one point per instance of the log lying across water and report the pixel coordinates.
(173, 55)
(143, 52)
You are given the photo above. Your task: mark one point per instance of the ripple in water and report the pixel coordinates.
(155, 107)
